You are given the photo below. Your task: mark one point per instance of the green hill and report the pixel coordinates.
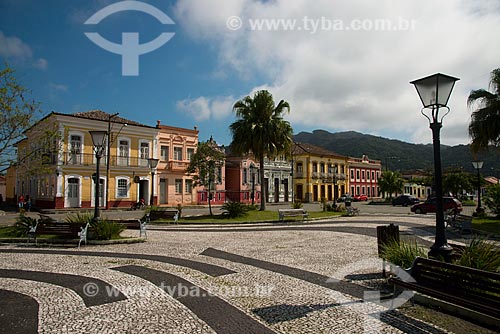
(399, 155)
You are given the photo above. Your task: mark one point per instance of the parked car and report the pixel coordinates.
(344, 198)
(405, 200)
(449, 204)
(360, 198)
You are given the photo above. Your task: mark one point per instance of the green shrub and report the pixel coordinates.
(253, 207)
(480, 254)
(234, 209)
(297, 205)
(79, 218)
(403, 253)
(106, 230)
(23, 225)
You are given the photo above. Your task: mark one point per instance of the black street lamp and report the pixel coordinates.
(434, 92)
(152, 164)
(335, 170)
(478, 165)
(98, 140)
(252, 172)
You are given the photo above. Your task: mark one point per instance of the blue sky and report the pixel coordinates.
(335, 77)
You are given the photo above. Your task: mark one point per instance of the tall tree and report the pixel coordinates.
(391, 182)
(484, 127)
(261, 130)
(457, 182)
(17, 113)
(205, 166)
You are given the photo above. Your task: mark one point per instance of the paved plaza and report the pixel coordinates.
(314, 277)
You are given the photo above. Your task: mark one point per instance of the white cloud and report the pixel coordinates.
(355, 80)
(205, 108)
(13, 47)
(57, 87)
(41, 64)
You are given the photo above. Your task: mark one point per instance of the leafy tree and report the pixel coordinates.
(261, 130)
(484, 127)
(17, 114)
(205, 165)
(391, 182)
(455, 183)
(492, 199)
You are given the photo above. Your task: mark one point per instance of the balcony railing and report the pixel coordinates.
(75, 159)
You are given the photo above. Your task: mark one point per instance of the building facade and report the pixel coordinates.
(242, 180)
(318, 173)
(278, 179)
(58, 171)
(176, 146)
(363, 176)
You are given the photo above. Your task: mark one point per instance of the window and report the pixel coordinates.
(245, 176)
(357, 175)
(178, 186)
(121, 187)
(123, 152)
(315, 167)
(75, 149)
(373, 175)
(219, 175)
(144, 153)
(189, 186)
(363, 174)
(164, 153)
(368, 175)
(352, 174)
(300, 168)
(322, 167)
(190, 153)
(178, 153)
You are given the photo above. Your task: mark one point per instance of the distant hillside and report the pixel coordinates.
(396, 154)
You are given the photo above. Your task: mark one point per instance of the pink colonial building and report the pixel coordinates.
(242, 180)
(176, 146)
(363, 176)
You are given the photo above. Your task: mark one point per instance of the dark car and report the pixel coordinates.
(449, 204)
(405, 200)
(344, 198)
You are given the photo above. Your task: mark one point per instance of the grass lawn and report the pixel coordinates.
(252, 216)
(6, 231)
(489, 225)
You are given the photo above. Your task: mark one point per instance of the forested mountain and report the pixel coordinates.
(399, 155)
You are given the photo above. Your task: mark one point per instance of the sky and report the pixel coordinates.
(341, 65)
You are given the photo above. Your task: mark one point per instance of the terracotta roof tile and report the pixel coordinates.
(104, 116)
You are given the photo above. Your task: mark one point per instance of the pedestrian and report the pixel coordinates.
(27, 203)
(21, 202)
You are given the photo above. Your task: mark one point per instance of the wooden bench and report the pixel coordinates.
(164, 214)
(68, 230)
(474, 289)
(282, 213)
(140, 224)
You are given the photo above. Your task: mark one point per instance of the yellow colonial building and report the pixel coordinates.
(56, 161)
(318, 173)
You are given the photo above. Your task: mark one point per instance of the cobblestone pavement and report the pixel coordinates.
(270, 285)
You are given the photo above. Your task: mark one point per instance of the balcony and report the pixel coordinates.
(177, 166)
(72, 159)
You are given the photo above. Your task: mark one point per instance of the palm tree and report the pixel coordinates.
(484, 127)
(391, 182)
(261, 130)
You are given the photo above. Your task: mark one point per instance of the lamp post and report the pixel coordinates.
(335, 170)
(478, 165)
(434, 92)
(98, 140)
(152, 164)
(252, 172)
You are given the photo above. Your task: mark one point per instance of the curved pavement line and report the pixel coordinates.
(18, 313)
(93, 291)
(206, 268)
(221, 316)
(354, 290)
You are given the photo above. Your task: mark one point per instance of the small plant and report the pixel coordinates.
(234, 209)
(252, 207)
(106, 230)
(480, 254)
(79, 218)
(297, 205)
(402, 253)
(23, 225)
